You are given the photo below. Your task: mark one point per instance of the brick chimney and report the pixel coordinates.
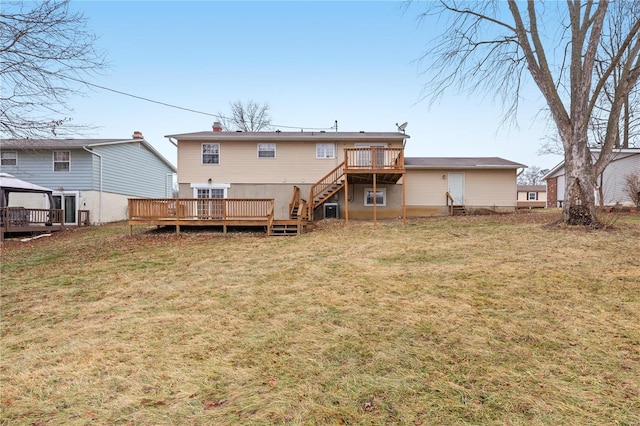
(137, 135)
(217, 126)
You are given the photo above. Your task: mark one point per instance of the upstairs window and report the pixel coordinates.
(210, 153)
(61, 161)
(325, 150)
(9, 158)
(266, 150)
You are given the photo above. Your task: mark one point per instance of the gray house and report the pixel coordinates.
(623, 162)
(98, 175)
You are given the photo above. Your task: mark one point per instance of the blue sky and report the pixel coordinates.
(312, 62)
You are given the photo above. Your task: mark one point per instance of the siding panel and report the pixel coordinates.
(36, 166)
(295, 163)
(131, 169)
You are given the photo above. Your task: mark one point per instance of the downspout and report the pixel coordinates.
(174, 143)
(100, 190)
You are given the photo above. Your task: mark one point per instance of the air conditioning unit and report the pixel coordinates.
(331, 211)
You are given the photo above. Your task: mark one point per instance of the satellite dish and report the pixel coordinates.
(402, 126)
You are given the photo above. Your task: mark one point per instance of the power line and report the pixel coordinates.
(222, 117)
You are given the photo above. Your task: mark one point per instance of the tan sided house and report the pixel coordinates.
(532, 196)
(284, 180)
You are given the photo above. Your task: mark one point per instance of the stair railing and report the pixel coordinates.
(325, 183)
(450, 206)
(295, 200)
(270, 217)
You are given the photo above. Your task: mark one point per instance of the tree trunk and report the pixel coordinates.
(579, 206)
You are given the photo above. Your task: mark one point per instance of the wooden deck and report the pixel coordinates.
(222, 212)
(21, 220)
(24, 220)
(374, 165)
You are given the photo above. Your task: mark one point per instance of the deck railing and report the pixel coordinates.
(23, 217)
(200, 208)
(295, 200)
(374, 158)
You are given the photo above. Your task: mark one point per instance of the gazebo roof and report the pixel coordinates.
(10, 183)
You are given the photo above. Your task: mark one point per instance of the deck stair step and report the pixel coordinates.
(459, 210)
(284, 228)
(329, 192)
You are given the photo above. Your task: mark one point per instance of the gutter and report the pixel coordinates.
(100, 190)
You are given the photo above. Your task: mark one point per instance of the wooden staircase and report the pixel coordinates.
(301, 211)
(285, 228)
(459, 211)
(326, 188)
(455, 209)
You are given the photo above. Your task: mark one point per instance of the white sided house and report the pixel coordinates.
(623, 162)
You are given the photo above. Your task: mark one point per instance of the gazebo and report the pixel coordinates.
(21, 219)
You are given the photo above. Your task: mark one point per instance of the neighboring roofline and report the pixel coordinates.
(560, 165)
(86, 143)
(553, 170)
(285, 136)
(144, 142)
(532, 188)
(620, 150)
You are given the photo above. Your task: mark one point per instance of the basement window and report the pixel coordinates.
(380, 197)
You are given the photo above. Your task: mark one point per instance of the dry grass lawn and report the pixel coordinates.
(473, 320)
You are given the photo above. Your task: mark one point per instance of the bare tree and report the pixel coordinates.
(495, 47)
(45, 53)
(247, 117)
(632, 187)
(532, 176)
(624, 13)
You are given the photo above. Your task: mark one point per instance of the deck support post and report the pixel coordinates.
(177, 229)
(346, 200)
(404, 197)
(375, 198)
(224, 229)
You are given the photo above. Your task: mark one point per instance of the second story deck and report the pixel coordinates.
(361, 164)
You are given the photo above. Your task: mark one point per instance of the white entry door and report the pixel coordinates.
(456, 188)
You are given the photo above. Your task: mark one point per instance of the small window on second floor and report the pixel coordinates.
(61, 161)
(532, 196)
(325, 150)
(266, 150)
(9, 158)
(210, 153)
